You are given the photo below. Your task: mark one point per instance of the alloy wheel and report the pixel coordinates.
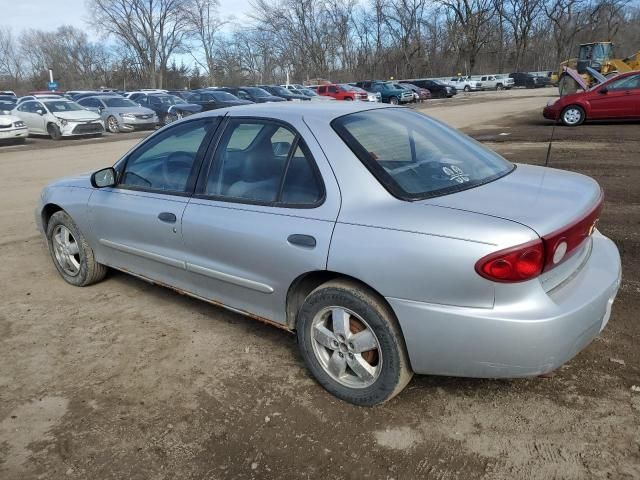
(112, 124)
(572, 116)
(66, 250)
(346, 347)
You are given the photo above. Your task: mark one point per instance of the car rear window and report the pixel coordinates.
(415, 157)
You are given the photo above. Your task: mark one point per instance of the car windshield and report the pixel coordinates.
(281, 91)
(168, 99)
(415, 157)
(7, 105)
(348, 88)
(308, 92)
(117, 102)
(62, 106)
(223, 96)
(257, 92)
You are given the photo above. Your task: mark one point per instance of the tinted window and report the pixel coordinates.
(166, 160)
(626, 83)
(117, 102)
(256, 170)
(416, 157)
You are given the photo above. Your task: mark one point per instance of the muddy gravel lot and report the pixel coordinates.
(125, 380)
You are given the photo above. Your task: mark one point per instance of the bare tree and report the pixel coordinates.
(11, 61)
(469, 26)
(153, 30)
(205, 24)
(520, 16)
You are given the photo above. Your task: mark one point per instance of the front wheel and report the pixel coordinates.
(352, 344)
(54, 131)
(71, 254)
(572, 116)
(112, 124)
(394, 101)
(467, 88)
(499, 87)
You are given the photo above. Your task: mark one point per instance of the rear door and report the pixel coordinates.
(262, 215)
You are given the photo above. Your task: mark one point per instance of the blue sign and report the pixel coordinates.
(52, 86)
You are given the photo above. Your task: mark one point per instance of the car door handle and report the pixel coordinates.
(167, 217)
(299, 240)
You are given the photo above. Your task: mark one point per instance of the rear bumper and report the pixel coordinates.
(530, 337)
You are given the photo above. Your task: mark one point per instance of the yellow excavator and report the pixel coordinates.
(598, 56)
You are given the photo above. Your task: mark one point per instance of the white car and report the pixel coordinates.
(465, 83)
(496, 82)
(12, 128)
(58, 117)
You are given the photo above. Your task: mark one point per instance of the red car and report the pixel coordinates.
(616, 99)
(340, 92)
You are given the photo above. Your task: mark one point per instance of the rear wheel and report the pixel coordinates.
(112, 124)
(352, 344)
(54, 131)
(572, 116)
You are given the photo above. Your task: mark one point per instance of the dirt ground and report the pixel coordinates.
(125, 380)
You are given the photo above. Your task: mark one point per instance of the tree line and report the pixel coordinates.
(140, 42)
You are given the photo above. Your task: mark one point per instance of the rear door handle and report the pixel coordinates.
(299, 240)
(167, 217)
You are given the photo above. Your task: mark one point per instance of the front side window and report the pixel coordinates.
(165, 162)
(55, 106)
(263, 162)
(415, 157)
(626, 83)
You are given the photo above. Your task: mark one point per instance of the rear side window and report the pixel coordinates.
(272, 167)
(415, 157)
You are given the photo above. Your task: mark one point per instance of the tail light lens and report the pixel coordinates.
(527, 261)
(515, 264)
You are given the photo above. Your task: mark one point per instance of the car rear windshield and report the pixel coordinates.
(416, 157)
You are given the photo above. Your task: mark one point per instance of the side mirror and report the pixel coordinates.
(40, 111)
(94, 109)
(603, 91)
(104, 178)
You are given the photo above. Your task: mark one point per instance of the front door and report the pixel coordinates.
(262, 216)
(137, 225)
(616, 99)
(34, 121)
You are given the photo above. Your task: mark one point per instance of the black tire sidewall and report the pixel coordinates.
(56, 131)
(62, 218)
(384, 387)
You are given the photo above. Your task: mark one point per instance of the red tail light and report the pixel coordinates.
(527, 261)
(515, 264)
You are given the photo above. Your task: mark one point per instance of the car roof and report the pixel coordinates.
(323, 111)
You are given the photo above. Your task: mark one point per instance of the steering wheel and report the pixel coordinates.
(173, 166)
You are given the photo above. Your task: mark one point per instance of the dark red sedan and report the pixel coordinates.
(616, 99)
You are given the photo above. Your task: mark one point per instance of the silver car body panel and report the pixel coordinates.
(419, 255)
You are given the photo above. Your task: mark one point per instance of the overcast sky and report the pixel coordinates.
(49, 15)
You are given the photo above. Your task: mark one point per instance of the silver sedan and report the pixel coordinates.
(120, 114)
(389, 242)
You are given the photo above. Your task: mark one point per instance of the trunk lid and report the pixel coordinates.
(543, 199)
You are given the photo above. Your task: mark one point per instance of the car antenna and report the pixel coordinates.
(553, 129)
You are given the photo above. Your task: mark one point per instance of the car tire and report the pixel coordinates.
(499, 87)
(394, 100)
(379, 373)
(572, 116)
(54, 131)
(112, 124)
(467, 88)
(349, 99)
(71, 254)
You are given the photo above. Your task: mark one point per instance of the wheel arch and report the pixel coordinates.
(47, 211)
(304, 284)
